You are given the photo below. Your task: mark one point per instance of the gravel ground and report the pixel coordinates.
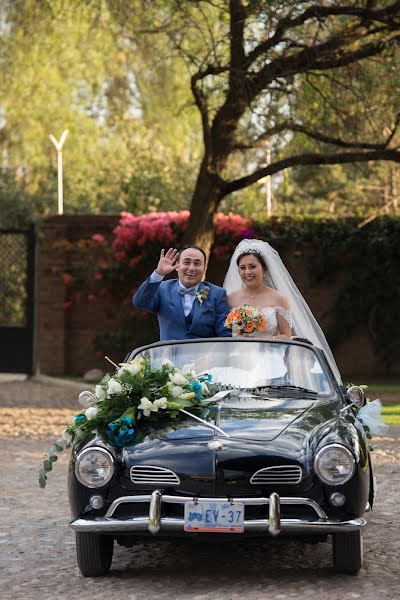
(37, 557)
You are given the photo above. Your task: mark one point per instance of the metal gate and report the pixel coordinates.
(17, 260)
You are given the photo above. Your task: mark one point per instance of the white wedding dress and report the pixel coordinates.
(273, 365)
(271, 317)
(300, 318)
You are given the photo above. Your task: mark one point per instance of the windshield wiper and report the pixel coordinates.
(289, 387)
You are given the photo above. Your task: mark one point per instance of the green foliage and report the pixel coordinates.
(123, 405)
(369, 294)
(48, 462)
(133, 135)
(391, 414)
(349, 106)
(135, 142)
(384, 388)
(367, 259)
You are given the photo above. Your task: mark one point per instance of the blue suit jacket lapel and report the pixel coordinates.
(197, 308)
(177, 300)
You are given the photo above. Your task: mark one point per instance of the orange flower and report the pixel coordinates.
(262, 325)
(249, 327)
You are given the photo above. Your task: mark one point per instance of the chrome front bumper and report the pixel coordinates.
(273, 525)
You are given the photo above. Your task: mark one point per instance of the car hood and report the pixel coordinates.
(250, 418)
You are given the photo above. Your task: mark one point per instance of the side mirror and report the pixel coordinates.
(356, 396)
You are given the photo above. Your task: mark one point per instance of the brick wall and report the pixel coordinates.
(64, 334)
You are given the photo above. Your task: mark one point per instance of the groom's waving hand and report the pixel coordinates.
(186, 307)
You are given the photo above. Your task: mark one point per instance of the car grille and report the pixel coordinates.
(282, 475)
(147, 474)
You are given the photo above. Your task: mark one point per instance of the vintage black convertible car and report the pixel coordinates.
(280, 452)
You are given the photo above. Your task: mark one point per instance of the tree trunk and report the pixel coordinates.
(205, 201)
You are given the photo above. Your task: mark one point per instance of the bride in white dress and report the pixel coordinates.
(275, 305)
(257, 276)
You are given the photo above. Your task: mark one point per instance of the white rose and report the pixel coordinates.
(187, 396)
(160, 403)
(113, 387)
(167, 363)
(176, 391)
(146, 406)
(177, 378)
(100, 393)
(91, 412)
(132, 368)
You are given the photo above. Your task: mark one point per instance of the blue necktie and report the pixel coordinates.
(191, 291)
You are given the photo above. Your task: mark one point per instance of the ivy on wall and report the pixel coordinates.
(368, 261)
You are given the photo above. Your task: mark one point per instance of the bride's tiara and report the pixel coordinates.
(250, 251)
(255, 252)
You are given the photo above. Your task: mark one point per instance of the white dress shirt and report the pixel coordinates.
(187, 299)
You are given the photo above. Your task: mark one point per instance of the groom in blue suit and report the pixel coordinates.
(186, 307)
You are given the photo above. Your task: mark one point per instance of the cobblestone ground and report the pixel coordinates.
(37, 552)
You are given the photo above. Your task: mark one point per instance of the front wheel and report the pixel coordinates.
(94, 553)
(347, 552)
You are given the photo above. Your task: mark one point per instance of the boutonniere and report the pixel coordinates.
(202, 294)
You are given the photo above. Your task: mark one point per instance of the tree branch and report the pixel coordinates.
(316, 135)
(201, 104)
(320, 13)
(309, 159)
(238, 19)
(321, 57)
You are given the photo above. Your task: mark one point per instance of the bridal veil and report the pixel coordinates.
(278, 277)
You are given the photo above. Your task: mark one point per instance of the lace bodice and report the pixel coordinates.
(271, 315)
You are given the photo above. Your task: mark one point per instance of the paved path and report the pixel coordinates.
(37, 553)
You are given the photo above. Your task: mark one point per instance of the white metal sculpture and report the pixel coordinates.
(59, 144)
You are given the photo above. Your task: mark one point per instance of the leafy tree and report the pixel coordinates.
(353, 189)
(249, 63)
(61, 67)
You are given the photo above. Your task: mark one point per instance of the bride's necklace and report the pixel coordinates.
(255, 294)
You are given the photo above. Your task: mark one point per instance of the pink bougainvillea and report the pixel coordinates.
(233, 226)
(134, 232)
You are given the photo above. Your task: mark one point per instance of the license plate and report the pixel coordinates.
(222, 517)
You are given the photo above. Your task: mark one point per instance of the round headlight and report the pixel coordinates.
(334, 464)
(94, 467)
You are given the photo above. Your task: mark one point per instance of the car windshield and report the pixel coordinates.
(247, 364)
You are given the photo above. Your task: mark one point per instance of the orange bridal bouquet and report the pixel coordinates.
(245, 319)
